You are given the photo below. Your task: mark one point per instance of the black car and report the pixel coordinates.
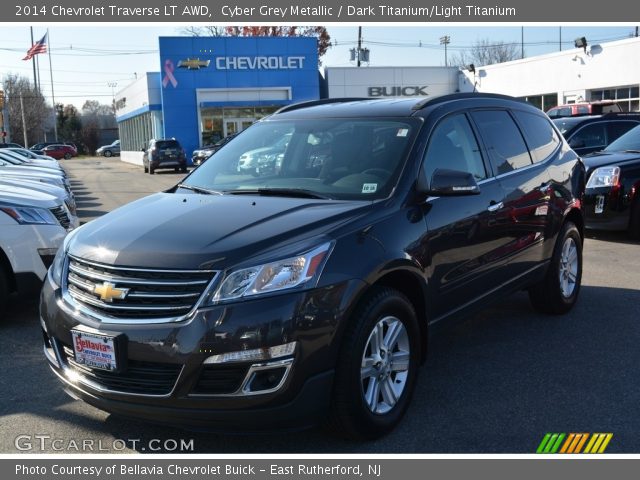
(234, 301)
(164, 153)
(593, 133)
(612, 198)
(42, 145)
(10, 145)
(201, 155)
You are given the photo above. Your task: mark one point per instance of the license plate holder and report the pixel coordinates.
(98, 351)
(599, 207)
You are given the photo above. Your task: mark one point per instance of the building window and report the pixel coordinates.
(544, 101)
(628, 97)
(217, 122)
(136, 132)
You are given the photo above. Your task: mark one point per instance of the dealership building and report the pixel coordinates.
(210, 87)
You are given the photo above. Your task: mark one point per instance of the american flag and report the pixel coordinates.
(39, 47)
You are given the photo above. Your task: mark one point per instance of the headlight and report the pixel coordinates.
(604, 177)
(56, 267)
(275, 276)
(30, 215)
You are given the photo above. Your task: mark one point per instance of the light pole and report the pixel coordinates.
(445, 40)
(113, 85)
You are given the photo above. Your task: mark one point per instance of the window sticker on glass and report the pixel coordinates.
(369, 187)
(402, 132)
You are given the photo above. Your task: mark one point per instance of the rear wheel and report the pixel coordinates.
(377, 366)
(183, 169)
(67, 156)
(558, 291)
(146, 169)
(107, 153)
(151, 170)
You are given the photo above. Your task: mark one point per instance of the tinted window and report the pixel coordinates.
(453, 146)
(628, 141)
(541, 137)
(162, 144)
(589, 136)
(617, 129)
(503, 139)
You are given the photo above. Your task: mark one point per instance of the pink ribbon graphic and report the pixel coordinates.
(168, 70)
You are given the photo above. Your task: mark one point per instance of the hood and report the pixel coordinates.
(601, 159)
(34, 169)
(30, 173)
(26, 197)
(58, 192)
(189, 231)
(46, 164)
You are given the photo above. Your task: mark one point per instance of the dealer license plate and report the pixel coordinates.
(94, 350)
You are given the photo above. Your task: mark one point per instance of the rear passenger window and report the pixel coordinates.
(541, 137)
(453, 146)
(589, 136)
(617, 129)
(503, 139)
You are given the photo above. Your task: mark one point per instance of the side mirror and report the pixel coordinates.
(450, 183)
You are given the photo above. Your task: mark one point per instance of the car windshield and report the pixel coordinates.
(164, 144)
(566, 124)
(327, 158)
(628, 141)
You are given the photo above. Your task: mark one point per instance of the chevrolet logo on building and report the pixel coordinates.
(193, 63)
(108, 292)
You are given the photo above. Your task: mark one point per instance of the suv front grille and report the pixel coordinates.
(61, 214)
(145, 378)
(135, 293)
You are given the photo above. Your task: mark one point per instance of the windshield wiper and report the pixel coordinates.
(281, 192)
(199, 189)
(632, 151)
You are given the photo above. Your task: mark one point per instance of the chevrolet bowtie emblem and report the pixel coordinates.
(193, 63)
(108, 292)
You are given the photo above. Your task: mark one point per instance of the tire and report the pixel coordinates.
(558, 292)
(176, 169)
(151, 170)
(146, 169)
(183, 169)
(634, 224)
(67, 156)
(4, 289)
(107, 153)
(369, 407)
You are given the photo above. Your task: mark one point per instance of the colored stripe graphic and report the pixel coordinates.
(574, 442)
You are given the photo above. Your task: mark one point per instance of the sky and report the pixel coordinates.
(96, 62)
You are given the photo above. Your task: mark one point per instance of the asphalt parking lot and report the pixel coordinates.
(495, 383)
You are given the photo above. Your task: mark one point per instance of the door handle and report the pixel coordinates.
(494, 207)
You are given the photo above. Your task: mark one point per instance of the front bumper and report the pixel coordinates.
(606, 209)
(311, 318)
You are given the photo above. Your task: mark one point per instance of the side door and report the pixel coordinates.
(519, 143)
(466, 235)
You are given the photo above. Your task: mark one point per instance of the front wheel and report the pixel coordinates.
(377, 367)
(107, 153)
(558, 292)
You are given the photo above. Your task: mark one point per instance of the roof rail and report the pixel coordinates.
(322, 101)
(458, 96)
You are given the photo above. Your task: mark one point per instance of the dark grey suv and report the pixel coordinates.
(306, 294)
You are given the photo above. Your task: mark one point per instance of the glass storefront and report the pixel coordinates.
(218, 122)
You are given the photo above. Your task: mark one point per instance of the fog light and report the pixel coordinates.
(266, 379)
(257, 354)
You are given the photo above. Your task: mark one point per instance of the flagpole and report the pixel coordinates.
(33, 60)
(53, 97)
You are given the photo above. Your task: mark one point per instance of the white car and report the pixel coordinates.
(32, 228)
(32, 155)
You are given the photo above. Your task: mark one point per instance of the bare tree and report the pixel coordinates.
(206, 31)
(36, 111)
(487, 52)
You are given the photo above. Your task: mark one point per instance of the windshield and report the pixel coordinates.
(628, 141)
(566, 124)
(331, 158)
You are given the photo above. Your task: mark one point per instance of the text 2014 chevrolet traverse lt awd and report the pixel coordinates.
(280, 300)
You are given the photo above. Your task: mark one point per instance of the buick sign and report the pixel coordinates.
(398, 91)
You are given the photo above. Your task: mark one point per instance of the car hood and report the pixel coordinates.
(190, 231)
(58, 192)
(30, 172)
(601, 159)
(27, 197)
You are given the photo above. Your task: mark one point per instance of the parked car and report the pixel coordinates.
(10, 145)
(59, 192)
(249, 161)
(32, 154)
(34, 173)
(109, 150)
(17, 159)
(42, 145)
(584, 108)
(612, 198)
(233, 302)
(164, 153)
(201, 155)
(32, 227)
(594, 133)
(60, 151)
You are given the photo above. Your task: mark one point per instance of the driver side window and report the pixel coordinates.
(453, 146)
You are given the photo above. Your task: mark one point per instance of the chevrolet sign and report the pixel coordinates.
(259, 63)
(398, 91)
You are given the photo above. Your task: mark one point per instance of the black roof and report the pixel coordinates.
(383, 107)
